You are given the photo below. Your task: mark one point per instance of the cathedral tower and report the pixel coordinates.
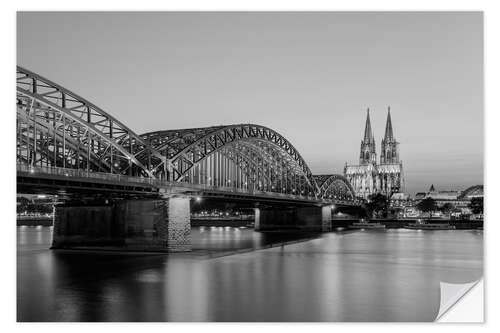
(367, 152)
(368, 177)
(389, 152)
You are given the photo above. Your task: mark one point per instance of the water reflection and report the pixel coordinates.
(237, 238)
(390, 275)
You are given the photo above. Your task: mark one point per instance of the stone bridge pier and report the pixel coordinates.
(137, 225)
(308, 218)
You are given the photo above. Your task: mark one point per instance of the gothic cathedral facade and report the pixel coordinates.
(368, 177)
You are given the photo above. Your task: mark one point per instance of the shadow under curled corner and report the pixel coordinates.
(451, 295)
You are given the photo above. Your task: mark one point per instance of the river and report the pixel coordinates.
(234, 275)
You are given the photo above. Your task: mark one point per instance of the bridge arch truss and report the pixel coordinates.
(57, 128)
(335, 187)
(245, 156)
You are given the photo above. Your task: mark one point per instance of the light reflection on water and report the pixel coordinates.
(390, 275)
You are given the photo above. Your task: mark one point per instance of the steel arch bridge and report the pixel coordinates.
(334, 187)
(56, 128)
(473, 191)
(245, 156)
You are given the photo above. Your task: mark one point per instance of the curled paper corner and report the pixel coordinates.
(451, 293)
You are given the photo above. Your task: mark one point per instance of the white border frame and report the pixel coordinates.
(492, 159)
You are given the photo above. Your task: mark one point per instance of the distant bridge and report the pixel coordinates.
(67, 145)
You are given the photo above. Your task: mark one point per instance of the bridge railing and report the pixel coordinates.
(82, 173)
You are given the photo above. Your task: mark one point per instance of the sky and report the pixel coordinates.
(308, 75)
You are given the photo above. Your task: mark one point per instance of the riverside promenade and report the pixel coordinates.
(460, 224)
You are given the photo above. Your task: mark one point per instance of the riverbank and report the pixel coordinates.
(47, 221)
(396, 223)
(32, 221)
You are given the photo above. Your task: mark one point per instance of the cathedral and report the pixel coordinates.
(368, 177)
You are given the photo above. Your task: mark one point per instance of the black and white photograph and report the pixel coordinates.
(248, 166)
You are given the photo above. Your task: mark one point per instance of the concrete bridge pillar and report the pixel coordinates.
(326, 218)
(257, 219)
(137, 225)
(179, 224)
(86, 226)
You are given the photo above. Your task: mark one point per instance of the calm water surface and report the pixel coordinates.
(390, 275)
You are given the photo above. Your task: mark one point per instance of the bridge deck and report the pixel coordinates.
(63, 181)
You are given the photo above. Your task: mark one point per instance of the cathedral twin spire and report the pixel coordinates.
(369, 177)
(388, 126)
(368, 128)
(367, 152)
(389, 150)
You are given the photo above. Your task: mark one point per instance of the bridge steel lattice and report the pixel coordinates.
(335, 187)
(245, 156)
(57, 128)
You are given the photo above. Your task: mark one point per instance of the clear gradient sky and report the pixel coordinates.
(309, 76)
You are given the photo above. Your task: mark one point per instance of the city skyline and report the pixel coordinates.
(312, 82)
